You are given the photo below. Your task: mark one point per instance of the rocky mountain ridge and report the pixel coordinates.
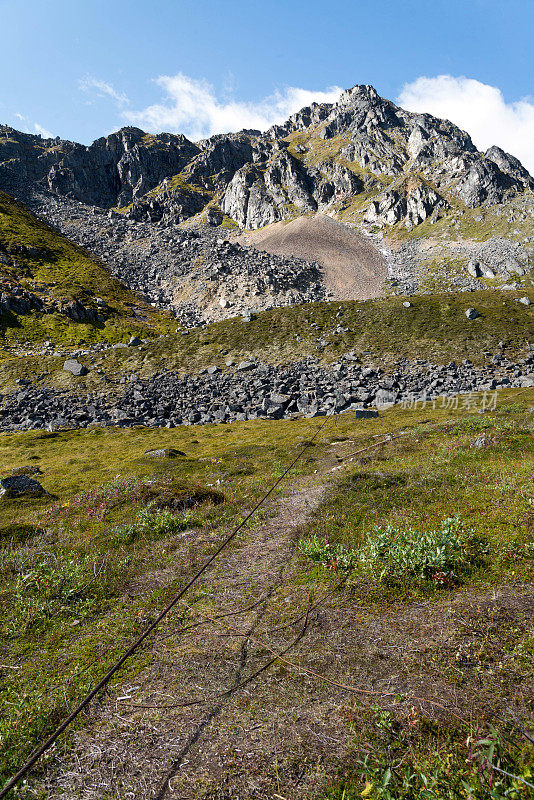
(151, 207)
(405, 166)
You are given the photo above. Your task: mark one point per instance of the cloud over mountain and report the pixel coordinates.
(479, 109)
(192, 107)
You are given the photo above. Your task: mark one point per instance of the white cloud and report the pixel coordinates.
(43, 131)
(191, 107)
(103, 89)
(477, 108)
(34, 127)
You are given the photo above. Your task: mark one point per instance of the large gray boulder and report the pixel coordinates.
(19, 486)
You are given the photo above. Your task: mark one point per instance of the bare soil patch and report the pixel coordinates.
(353, 268)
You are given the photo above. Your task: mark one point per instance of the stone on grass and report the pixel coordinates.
(525, 300)
(135, 341)
(26, 470)
(74, 367)
(365, 413)
(471, 313)
(20, 486)
(164, 452)
(407, 304)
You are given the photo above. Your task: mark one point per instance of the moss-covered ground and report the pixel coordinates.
(57, 270)
(78, 580)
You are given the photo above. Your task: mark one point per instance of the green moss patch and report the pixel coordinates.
(54, 269)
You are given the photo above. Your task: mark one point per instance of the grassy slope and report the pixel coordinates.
(435, 328)
(67, 635)
(62, 271)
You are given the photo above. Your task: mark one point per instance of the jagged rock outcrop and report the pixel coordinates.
(510, 165)
(257, 197)
(413, 205)
(111, 171)
(321, 157)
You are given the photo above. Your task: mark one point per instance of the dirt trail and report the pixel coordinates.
(353, 268)
(191, 726)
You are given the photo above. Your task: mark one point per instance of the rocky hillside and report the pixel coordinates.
(443, 215)
(52, 289)
(405, 166)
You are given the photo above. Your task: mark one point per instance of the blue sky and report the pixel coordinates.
(82, 69)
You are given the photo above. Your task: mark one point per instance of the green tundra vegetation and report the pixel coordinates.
(378, 331)
(84, 569)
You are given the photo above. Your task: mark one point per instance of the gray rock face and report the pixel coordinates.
(261, 178)
(413, 206)
(111, 171)
(19, 486)
(474, 269)
(510, 165)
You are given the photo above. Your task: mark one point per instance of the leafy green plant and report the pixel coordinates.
(334, 557)
(401, 762)
(152, 522)
(51, 588)
(443, 556)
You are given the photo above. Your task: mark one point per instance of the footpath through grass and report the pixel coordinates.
(86, 569)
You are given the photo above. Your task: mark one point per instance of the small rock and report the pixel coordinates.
(213, 370)
(365, 413)
(74, 367)
(164, 452)
(471, 313)
(525, 300)
(407, 304)
(482, 441)
(134, 341)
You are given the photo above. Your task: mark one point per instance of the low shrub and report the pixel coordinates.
(51, 588)
(401, 763)
(334, 557)
(178, 495)
(152, 522)
(444, 555)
